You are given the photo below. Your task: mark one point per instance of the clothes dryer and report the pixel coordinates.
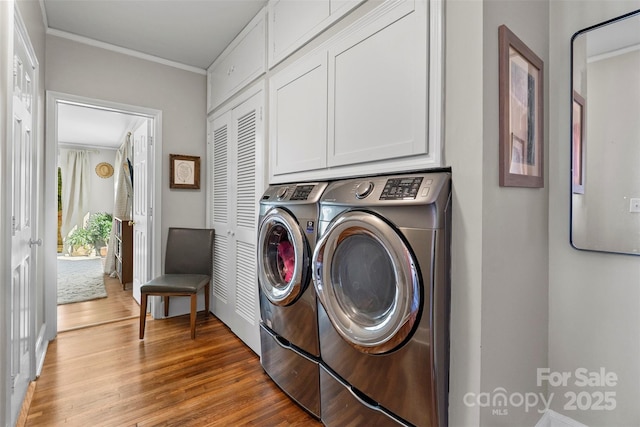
(289, 328)
(381, 273)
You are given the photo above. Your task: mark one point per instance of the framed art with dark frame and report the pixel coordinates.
(521, 113)
(184, 171)
(578, 144)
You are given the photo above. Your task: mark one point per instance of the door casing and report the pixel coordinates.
(50, 203)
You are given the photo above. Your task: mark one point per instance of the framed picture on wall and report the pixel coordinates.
(521, 112)
(184, 171)
(578, 144)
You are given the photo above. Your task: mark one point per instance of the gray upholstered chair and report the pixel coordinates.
(187, 269)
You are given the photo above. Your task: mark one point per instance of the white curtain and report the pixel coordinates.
(74, 167)
(123, 197)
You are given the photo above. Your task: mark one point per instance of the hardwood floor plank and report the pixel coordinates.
(105, 375)
(119, 304)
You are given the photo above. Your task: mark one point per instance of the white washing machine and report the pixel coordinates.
(289, 328)
(381, 273)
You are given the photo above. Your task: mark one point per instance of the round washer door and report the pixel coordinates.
(283, 257)
(367, 281)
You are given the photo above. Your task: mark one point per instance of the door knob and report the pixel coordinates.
(35, 242)
(131, 223)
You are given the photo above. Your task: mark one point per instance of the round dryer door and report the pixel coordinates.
(367, 281)
(283, 257)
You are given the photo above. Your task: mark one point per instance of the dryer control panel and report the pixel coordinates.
(302, 192)
(404, 188)
(420, 188)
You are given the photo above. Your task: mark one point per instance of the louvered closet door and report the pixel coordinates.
(237, 183)
(222, 301)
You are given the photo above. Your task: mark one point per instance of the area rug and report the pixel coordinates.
(80, 279)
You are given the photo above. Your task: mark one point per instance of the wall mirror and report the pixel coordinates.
(605, 136)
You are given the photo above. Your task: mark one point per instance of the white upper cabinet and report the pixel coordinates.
(374, 106)
(239, 64)
(292, 23)
(378, 87)
(298, 116)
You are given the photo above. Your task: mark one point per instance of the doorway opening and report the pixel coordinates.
(90, 153)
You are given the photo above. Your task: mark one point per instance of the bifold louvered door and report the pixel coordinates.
(236, 157)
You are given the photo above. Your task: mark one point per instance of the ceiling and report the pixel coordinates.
(82, 126)
(189, 33)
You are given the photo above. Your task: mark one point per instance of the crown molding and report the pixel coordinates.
(124, 51)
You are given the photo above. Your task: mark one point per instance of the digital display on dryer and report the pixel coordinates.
(302, 192)
(401, 188)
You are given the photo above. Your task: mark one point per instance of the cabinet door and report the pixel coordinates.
(241, 63)
(235, 153)
(292, 23)
(378, 96)
(298, 116)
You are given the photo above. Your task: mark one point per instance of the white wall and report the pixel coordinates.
(88, 71)
(464, 153)
(515, 240)
(499, 247)
(101, 190)
(594, 298)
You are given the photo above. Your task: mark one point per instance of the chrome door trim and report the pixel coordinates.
(396, 326)
(271, 283)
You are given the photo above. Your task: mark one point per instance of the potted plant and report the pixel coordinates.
(80, 242)
(99, 227)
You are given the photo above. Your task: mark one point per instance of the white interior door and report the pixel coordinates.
(236, 156)
(248, 135)
(142, 204)
(24, 211)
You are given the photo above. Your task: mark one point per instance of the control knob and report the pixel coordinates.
(282, 191)
(364, 189)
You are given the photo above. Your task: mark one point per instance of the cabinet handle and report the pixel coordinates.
(35, 242)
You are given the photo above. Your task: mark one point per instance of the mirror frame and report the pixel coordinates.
(578, 165)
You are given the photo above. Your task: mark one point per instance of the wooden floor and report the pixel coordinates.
(118, 305)
(104, 375)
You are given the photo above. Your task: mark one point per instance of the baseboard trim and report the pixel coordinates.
(554, 419)
(26, 404)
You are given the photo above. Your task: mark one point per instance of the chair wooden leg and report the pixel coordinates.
(166, 306)
(207, 290)
(194, 312)
(143, 313)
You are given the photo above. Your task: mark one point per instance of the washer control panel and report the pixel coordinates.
(299, 193)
